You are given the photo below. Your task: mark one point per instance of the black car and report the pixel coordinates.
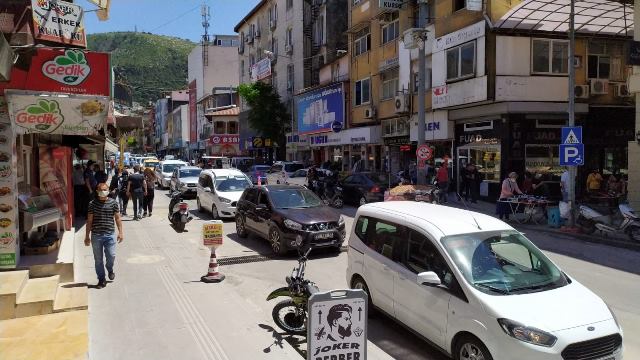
(365, 187)
(288, 216)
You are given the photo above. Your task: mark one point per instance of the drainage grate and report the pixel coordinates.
(235, 260)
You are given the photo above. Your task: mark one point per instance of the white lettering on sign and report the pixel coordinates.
(459, 37)
(391, 4)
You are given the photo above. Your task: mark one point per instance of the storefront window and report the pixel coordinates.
(615, 160)
(543, 159)
(486, 159)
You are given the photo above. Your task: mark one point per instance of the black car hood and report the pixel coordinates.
(310, 215)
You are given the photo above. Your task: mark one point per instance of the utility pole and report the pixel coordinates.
(422, 64)
(572, 105)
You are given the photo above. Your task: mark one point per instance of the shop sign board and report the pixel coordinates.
(54, 114)
(225, 139)
(459, 37)
(463, 92)
(212, 233)
(318, 110)
(337, 325)
(325, 139)
(64, 71)
(261, 69)
(58, 21)
(391, 4)
(396, 140)
(9, 244)
(362, 135)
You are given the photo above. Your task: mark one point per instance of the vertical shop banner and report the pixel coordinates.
(58, 21)
(9, 239)
(55, 167)
(319, 109)
(193, 113)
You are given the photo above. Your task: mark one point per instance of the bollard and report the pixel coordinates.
(213, 276)
(212, 238)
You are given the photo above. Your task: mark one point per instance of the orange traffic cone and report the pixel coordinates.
(213, 276)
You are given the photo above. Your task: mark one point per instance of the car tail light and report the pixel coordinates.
(375, 189)
(184, 206)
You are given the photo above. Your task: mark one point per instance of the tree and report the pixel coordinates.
(268, 115)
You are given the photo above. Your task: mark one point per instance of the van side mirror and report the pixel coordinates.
(429, 278)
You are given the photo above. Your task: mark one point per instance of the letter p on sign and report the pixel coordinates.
(571, 154)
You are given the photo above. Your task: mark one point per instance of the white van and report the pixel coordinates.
(475, 287)
(219, 190)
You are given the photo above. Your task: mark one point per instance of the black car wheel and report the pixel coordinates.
(200, 209)
(241, 229)
(275, 239)
(470, 348)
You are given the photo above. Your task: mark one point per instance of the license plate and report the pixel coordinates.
(322, 236)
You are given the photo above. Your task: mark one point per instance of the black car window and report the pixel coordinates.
(251, 195)
(263, 199)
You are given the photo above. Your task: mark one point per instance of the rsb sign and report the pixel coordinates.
(69, 69)
(44, 117)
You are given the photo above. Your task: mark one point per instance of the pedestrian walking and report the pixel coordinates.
(123, 183)
(136, 190)
(470, 183)
(101, 235)
(509, 189)
(443, 182)
(147, 203)
(79, 191)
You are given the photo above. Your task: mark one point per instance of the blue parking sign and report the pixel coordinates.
(571, 154)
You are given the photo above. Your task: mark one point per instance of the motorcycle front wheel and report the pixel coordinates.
(290, 318)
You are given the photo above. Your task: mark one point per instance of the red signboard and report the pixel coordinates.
(224, 139)
(64, 71)
(193, 113)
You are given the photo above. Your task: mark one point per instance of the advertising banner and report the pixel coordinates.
(193, 113)
(318, 109)
(58, 21)
(9, 243)
(212, 233)
(261, 69)
(64, 71)
(73, 115)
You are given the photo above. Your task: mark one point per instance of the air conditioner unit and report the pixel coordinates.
(369, 113)
(272, 24)
(401, 104)
(288, 48)
(582, 91)
(599, 87)
(621, 90)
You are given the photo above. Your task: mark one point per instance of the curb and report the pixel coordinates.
(623, 244)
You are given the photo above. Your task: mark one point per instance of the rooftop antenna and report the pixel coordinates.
(205, 11)
(469, 210)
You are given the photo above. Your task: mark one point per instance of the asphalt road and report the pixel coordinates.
(612, 273)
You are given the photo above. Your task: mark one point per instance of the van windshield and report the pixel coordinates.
(503, 263)
(232, 183)
(168, 168)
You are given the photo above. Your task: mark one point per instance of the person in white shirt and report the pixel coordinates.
(564, 185)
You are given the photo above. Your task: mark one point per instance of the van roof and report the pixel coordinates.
(224, 172)
(449, 220)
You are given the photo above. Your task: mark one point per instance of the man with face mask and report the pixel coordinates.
(103, 212)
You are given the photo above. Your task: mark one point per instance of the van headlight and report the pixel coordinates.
(292, 224)
(527, 334)
(224, 200)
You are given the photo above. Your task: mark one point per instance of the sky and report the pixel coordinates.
(179, 18)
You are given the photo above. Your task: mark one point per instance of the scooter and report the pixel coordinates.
(332, 195)
(291, 315)
(179, 214)
(624, 221)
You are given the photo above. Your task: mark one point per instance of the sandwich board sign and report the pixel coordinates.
(337, 325)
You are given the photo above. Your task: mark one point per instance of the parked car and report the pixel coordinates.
(365, 187)
(242, 163)
(150, 163)
(258, 171)
(289, 216)
(475, 287)
(300, 176)
(185, 179)
(164, 171)
(219, 191)
(281, 171)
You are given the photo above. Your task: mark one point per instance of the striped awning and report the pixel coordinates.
(234, 111)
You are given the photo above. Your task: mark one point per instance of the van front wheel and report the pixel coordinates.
(470, 348)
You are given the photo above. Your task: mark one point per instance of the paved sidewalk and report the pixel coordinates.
(158, 309)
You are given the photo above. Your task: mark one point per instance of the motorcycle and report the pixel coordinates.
(332, 195)
(179, 214)
(623, 221)
(291, 315)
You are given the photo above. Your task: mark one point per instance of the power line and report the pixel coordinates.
(175, 18)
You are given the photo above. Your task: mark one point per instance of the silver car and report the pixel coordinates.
(165, 170)
(185, 179)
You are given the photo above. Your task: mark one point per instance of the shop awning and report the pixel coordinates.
(592, 17)
(110, 146)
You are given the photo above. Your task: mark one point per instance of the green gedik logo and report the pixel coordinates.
(69, 69)
(45, 116)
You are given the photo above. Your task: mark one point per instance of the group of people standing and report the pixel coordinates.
(137, 187)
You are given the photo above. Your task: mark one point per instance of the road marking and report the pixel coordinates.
(208, 344)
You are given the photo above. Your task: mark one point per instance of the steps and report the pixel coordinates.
(23, 297)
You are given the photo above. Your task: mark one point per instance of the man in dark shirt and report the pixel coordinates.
(137, 190)
(103, 212)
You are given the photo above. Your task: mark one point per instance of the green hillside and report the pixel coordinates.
(149, 63)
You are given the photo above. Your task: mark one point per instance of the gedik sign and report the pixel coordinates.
(64, 71)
